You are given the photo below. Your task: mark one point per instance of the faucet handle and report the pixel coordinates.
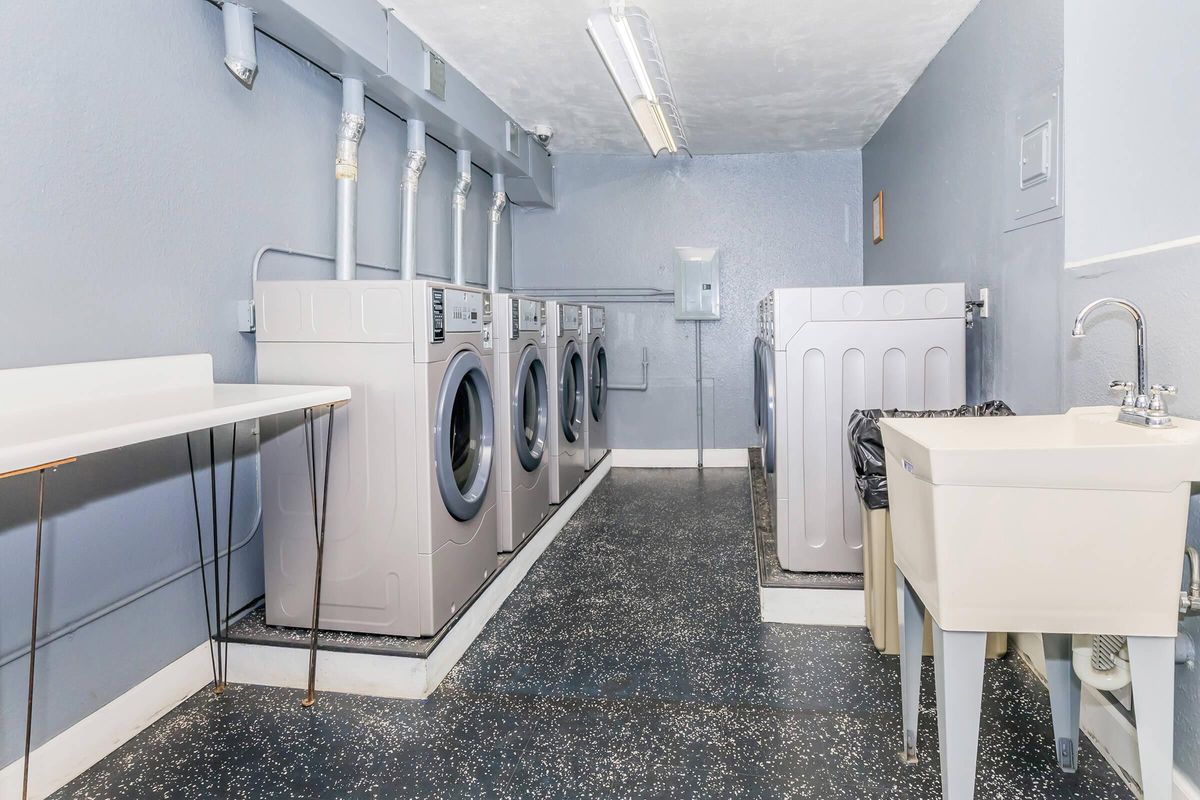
(1128, 401)
(1157, 392)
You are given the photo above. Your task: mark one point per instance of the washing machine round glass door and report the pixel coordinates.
(768, 407)
(598, 380)
(531, 409)
(463, 433)
(572, 403)
(758, 387)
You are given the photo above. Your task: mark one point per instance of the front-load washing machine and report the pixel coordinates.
(411, 532)
(568, 397)
(595, 421)
(830, 351)
(523, 422)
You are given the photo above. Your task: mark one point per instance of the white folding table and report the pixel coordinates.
(51, 416)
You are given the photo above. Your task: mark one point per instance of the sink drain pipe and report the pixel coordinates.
(1101, 661)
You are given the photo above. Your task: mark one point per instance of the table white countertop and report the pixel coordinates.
(49, 414)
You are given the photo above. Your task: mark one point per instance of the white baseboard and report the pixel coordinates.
(713, 457)
(1114, 736)
(800, 606)
(85, 743)
(392, 676)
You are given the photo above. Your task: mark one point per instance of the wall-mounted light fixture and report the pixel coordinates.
(626, 42)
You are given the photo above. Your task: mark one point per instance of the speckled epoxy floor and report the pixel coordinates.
(629, 663)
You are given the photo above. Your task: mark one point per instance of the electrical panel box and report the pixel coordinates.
(697, 283)
(1033, 159)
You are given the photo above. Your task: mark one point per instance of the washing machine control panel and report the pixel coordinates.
(526, 315)
(595, 319)
(455, 311)
(568, 318)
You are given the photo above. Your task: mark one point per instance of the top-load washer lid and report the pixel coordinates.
(598, 380)
(572, 403)
(530, 409)
(768, 408)
(463, 433)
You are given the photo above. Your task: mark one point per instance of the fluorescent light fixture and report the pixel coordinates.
(625, 40)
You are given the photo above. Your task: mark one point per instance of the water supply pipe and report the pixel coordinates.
(458, 206)
(495, 212)
(350, 132)
(241, 56)
(699, 402)
(414, 164)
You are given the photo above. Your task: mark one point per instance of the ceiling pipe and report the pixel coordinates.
(414, 164)
(495, 212)
(349, 134)
(458, 204)
(241, 57)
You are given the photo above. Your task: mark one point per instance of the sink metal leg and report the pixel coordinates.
(320, 506)
(958, 658)
(910, 614)
(1152, 661)
(1064, 698)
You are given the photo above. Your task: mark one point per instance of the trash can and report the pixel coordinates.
(879, 564)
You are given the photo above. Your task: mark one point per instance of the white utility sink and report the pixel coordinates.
(1062, 524)
(1072, 523)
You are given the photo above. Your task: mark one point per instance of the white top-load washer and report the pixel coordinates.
(595, 421)
(568, 397)
(523, 422)
(412, 501)
(824, 353)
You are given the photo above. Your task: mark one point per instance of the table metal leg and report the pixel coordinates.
(1152, 661)
(33, 626)
(958, 658)
(1064, 698)
(218, 645)
(319, 518)
(910, 614)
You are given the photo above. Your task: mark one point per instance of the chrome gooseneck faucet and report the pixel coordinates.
(1142, 405)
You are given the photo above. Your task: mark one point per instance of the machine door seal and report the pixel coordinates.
(768, 406)
(530, 409)
(758, 392)
(463, 433)
(572, 393)
(598, 380)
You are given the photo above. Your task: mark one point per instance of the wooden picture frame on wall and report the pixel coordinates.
(877, 218)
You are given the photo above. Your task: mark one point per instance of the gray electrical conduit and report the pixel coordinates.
(72, 627)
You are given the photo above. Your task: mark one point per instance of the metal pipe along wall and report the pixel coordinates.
(458, 205)
(414, 164)
(350, 133)
(495, 212)
(241, 57)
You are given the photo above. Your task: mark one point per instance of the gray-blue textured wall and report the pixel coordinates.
(939, 161)
(139, 180)
(778, 220)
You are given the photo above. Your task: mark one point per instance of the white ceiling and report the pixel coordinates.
(750, 76)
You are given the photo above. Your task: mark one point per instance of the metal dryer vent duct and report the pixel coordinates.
(458, 204)
(414, 164)
(241, 57)
(495, 212)
(350, 132)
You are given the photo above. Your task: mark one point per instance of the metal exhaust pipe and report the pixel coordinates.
(350, 133)
(241, 56)
(458, 205)
(495, 212)
(414, 164)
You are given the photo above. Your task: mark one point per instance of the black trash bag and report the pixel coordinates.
(866, 443)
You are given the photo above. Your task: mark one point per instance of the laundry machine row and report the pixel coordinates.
(820, 354)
